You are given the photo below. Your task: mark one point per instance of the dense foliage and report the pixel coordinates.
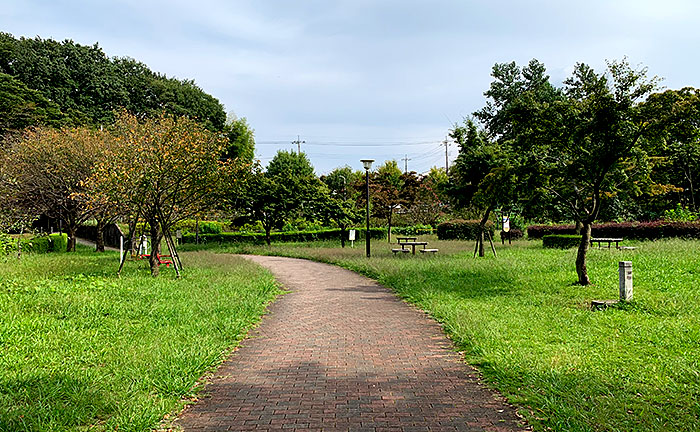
(84, 86)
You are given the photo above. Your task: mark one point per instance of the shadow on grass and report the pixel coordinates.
(47, 403)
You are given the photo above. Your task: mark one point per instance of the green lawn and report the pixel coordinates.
(81, 349)
(519, 319)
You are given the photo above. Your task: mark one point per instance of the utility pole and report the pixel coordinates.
(405, 160)
(298, 143)
(446, 143)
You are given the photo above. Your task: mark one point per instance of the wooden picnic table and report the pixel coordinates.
(405, 239)
(609, 241)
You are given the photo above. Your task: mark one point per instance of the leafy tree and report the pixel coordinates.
(21, 107)
(288, 189)
(46, 172)
(579, 143)
(677, 130)
(87, 86)
(385, 192)
(241, 139)
(162, 169)
(482, 176)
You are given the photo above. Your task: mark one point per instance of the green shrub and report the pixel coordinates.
(462, 229)
(561, 241)
(295, 236)
(680, 214)
(412, 230)
(58, 242)
(205, 227)
(7, 244)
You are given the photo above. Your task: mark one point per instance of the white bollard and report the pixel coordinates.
(121, 249)
(625, 271)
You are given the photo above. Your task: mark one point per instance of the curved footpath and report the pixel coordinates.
(341, 353)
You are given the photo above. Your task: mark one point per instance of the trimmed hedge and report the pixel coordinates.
(292, 236)
(561, 241)
(514, 234)
(627, 230)
(44, 243)
(462, 229)
(412, 230)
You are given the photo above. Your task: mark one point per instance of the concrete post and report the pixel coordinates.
(625, 271)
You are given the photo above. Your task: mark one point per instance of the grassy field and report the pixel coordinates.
(519, 319)
(81, 349)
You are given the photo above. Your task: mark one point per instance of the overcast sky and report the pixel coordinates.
(366, 79)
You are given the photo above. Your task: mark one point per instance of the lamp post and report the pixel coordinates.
(367, 163)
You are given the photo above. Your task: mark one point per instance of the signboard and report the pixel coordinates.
(506, 223)
(178, 234)
(351, 236)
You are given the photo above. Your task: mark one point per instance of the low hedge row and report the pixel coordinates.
(41, 244)
(462, 229)
(292, 236)
(627, 230)
(561, 241)
(412, 230)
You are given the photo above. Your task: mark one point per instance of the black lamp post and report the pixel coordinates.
(367, 163)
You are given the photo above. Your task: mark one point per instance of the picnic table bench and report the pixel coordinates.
(410, 241)
(607, 240)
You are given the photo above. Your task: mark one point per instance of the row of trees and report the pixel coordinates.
(601, 144)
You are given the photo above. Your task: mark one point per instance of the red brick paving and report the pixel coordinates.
(342, 353)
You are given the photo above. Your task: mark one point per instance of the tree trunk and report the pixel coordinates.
(156, 236)
(581, 269)
(100, 236)
(71, 238)
(268, 239)
(482, 228)
(388, 219)
(578, 228)
(343, 231)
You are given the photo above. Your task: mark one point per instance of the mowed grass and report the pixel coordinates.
(81, 349)
(522, 322)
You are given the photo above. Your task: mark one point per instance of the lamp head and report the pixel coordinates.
(367, 163)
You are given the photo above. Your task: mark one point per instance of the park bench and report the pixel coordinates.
(402, 250)
(609, 241)
(432, 251)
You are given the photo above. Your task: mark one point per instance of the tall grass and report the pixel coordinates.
(81, 349)
(522, 322)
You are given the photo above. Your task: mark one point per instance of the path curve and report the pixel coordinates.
(341, 353)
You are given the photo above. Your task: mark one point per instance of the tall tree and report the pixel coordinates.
(483, 175)
(164, 169)
(46, 171)
(385, 189)
(580, 142)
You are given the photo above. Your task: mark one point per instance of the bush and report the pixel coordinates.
(296, 236)
(7, 244)
(513, 234)
(205, 227)
(626, 230)
(462, 229)
(412, 230)
(680, 214)
(44, 243)
(561, 241)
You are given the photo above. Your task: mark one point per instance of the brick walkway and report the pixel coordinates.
(342, 353)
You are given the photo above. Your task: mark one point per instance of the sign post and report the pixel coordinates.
(351, 237)
(506, 227)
